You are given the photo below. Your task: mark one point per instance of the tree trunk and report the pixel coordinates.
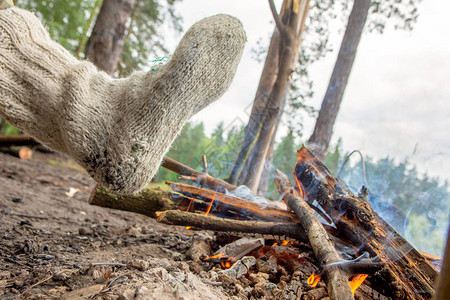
(266, 82)
(293, 18)
(263, 185)
(83, 39)
(323, 129)
(105, 45)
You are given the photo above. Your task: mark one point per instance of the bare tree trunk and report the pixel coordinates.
(105, 45)
(290, 27)
(83, 39)
(266, 82)
(323, 129)
(263, 185)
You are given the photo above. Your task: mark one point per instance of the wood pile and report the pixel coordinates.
(352, 245)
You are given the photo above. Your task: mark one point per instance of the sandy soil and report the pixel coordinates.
(54, 244)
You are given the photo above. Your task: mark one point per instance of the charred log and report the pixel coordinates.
(356, 220)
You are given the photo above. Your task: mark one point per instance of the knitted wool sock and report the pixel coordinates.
(117, 129)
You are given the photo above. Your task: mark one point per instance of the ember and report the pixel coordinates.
(225, 261)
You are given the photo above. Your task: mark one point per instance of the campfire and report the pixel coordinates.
(351, 252)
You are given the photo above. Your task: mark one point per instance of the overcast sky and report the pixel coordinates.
(397, 101)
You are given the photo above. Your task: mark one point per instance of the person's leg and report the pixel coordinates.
(117, 129)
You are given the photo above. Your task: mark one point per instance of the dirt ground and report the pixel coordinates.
(54, 244)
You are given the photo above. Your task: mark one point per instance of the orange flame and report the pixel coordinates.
(190, 202)
(210, 205)
(356, 281)
(188, 227)
(220, 255)
(225, 261)
(284, 243)
(313, 280)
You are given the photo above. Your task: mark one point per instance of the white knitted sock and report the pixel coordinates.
(117, 129)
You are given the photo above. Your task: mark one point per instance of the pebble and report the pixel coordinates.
(138, 264)
(16, 199)
(84, 231)
(44, 256)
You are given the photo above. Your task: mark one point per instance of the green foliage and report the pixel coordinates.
(192, 143)
(64, 20)
(7, 129)
(144, 40)
(66, 23)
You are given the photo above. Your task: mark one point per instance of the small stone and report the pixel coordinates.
(16, 199)
(18, 283)
(138, 264)
(84, 231)
(60, 277)
(25, 223)
(44, 256)
(271, 286)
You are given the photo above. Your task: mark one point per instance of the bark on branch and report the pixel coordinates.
(335, 278)
(242, 206)
(183, 218)
(147, 202)
(203, 179)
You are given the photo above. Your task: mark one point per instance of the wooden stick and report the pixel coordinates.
(177, 217)
(147, 202)
(21, 152)
(356, 220)
(335, 278)
(203, 179)
(263, 212)
(17, 140)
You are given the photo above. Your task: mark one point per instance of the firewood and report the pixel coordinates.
(410, 274)
(147, 202)
(23, 153)
(203, 179)
(335, 278)
(263, 212)
(366, 292)
(240, 268)
(17, 140)
(177, 217)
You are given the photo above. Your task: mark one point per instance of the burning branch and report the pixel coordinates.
(177, 217)
(335, 278)
(241, 206)
(357, 222)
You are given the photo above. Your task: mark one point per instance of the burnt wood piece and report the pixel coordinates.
(335, 278)
(242, 206)
(410, 275)
(147, 202)
(182, 218)
(203, 178)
